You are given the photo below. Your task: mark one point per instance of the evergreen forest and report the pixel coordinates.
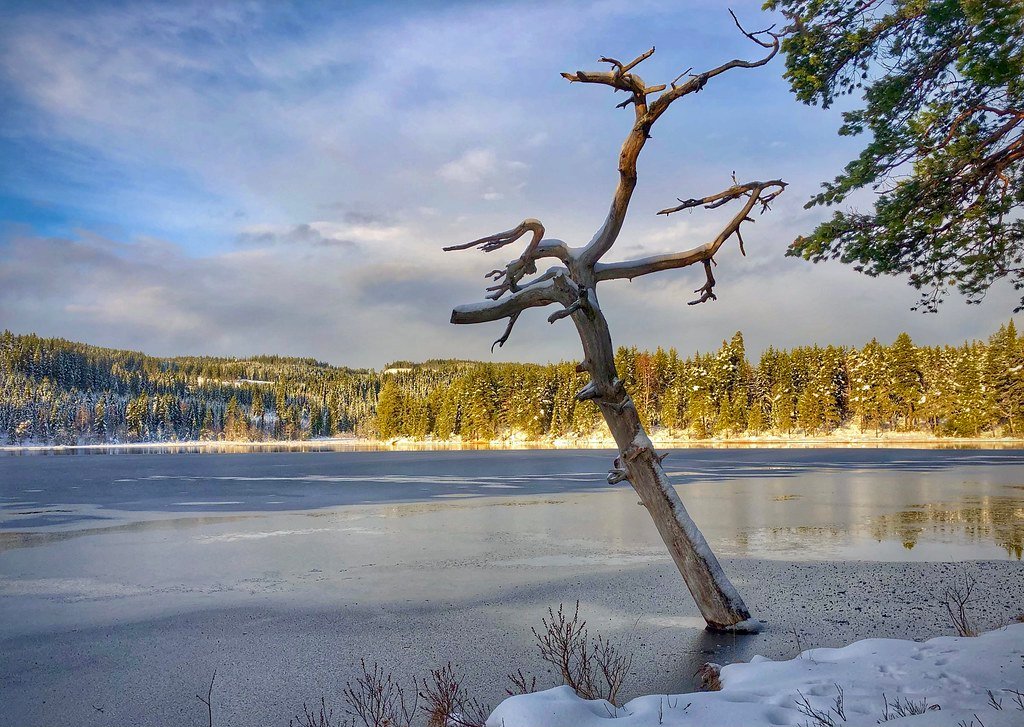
(54, 391)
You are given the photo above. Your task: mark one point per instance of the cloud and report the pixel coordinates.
(265, 299)
(472, 167)
(357, 228)
(229, 178)
(303, 234)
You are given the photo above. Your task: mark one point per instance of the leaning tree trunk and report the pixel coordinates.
(573, 285)
(719, 602)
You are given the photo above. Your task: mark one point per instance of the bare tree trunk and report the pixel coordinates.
(719, 602)
(573, 285)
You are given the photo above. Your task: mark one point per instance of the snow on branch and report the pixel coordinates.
(756, 193)
(507, 279)
(551, 288)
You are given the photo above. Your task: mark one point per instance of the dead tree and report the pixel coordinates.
(572, 284)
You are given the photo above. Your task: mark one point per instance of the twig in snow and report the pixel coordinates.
(799, 645)
(520, 685)
(897, 709)
(1018, 698)
(209, 700)
(837, 706)
(820, 719)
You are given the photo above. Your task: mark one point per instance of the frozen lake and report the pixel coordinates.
(125, 580)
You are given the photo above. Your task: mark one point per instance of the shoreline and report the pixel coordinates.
(174, 651)
(899, 440)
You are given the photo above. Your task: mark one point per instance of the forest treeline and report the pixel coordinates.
(54, 391)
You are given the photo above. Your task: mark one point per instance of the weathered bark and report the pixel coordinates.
(574, 285)
(719, 602)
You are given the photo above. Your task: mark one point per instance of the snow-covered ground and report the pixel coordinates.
(946, 680)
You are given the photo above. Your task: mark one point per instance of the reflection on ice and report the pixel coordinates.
(998, 519)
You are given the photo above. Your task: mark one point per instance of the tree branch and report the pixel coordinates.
(572, 284)
(713, 201)
(646, 115)
(500, 239)
(508, 331)
(535, 296)
(582, 303)
(525, 264)
(698, 81)
(707, 290)
(754, 193)
(618, 78)
(505, 285)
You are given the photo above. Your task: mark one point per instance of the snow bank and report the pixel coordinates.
(953, 673)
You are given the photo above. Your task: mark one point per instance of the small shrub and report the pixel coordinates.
(521, 684)
(446, 702)
(593, 669)
(819, 718)
(375, 700)
(310, 718)
(957, 598)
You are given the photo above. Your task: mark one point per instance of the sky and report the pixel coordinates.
(238, 178)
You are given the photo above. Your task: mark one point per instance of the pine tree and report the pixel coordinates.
(136, 416)
(259, 414)
(870, 397)
(971, 411)
(390, 410)
(1004, 377)
(99, 417)
(906, 382)
(755, 418)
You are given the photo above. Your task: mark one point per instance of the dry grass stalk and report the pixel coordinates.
(309, 718)
(897, 708)
(208, 701)
(710, 677)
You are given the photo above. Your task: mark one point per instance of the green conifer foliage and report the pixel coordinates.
(971, 390)
(939, 100)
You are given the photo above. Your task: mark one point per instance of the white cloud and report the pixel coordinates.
(206, 122)
(472, 167)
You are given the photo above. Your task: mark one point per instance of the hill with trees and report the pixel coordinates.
(54, 391)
